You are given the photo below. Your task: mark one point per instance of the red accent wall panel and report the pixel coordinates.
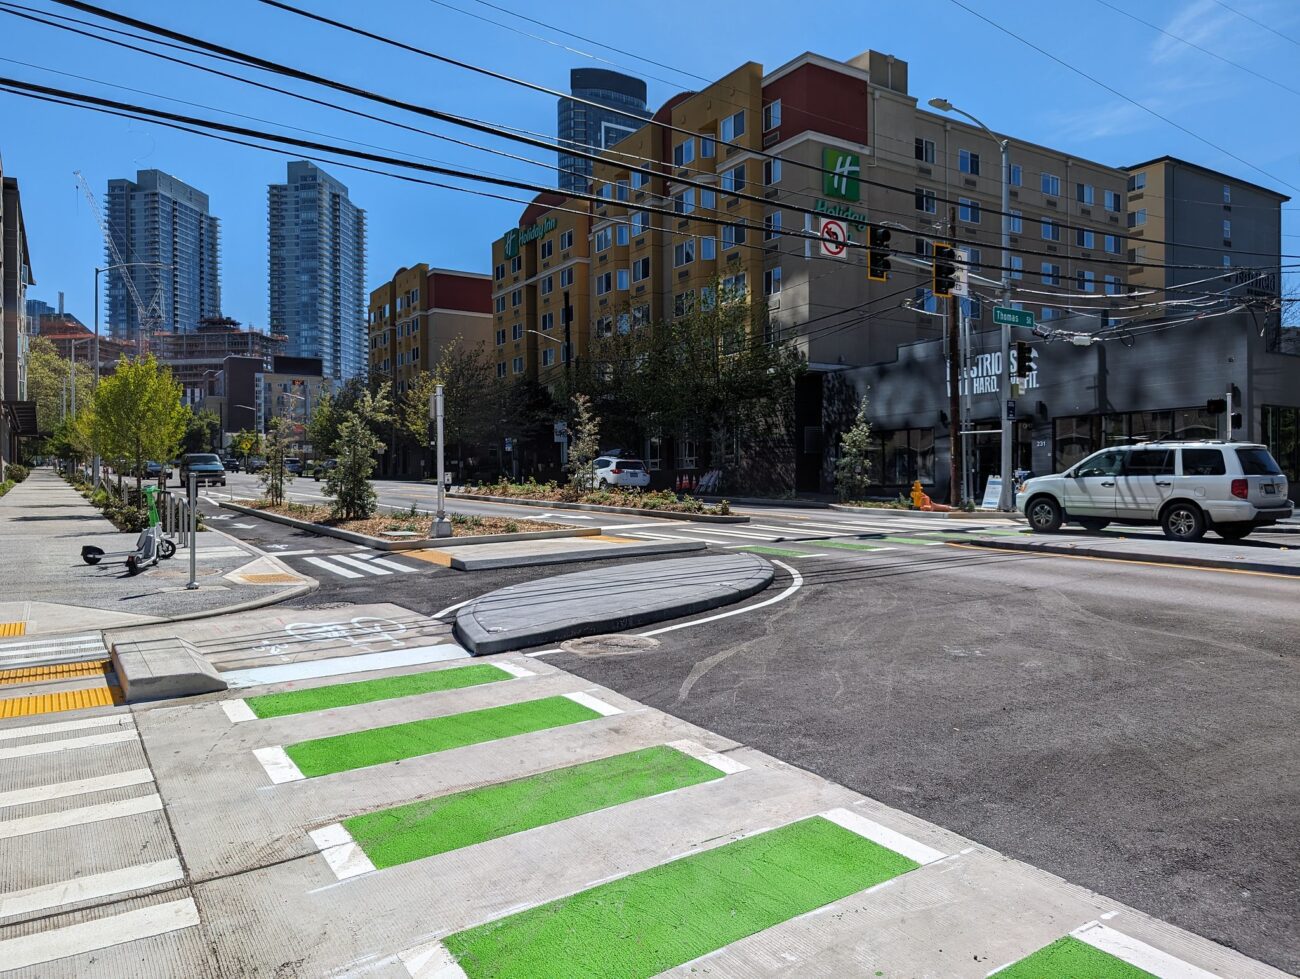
(816, 99)
(448, 291)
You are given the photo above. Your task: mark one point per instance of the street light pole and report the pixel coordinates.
(441, 525)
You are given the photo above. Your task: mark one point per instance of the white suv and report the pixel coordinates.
(617, 471)
(1185, 487)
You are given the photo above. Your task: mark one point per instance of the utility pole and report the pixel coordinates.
(441, 525)
(954, 388)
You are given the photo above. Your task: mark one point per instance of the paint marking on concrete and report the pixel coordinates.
(10, 629)
(431, 961)
(646, 535)
(90, 887)
(58, 727)
(795, 584)
(886, 837)
(1136, 953)
(334, 569)
(68, 744)
(343, 854)
(81, 786)
(62, 642)
(594, 703)
(361, 663)
(28, 825)
(733, 533)
(305, 553)
(101, 695)
(238, 711)
(513, 670)
(450, 608)
(90, 936)
(279, 766)
(432, 556)
(544, 652)
(728, 766)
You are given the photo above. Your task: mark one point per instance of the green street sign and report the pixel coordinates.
(518, 237)
(841, 176)
(1006, 316)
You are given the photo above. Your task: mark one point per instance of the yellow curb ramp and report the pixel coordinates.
(52, 703)
(55, 671)
(12, 630)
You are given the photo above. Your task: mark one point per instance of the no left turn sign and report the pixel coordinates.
(834, 238)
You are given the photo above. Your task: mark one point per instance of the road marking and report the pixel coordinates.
(81, 786)
(8, 629)
(89, 936)
(728, 766)
(391, 565)
(320, 562)
(343, 854)
(794, 586)
(732, 533)
(359, 692)
(89, 887)
(431, 961)
(68, 744)
(764, 549)
(279, 766)
(596, 704)
(1121, 560)
(45, 672)
(917, 541)
(886, 837)
(361, 663)
(1137, 953)
(57, 727)
(10, 828)
(450, 608)
(238, 711)
(279, 553)
(104, 695)
(513, 670)
(365, 566)
(244, 526)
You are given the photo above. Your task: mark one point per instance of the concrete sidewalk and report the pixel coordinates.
(47, 589)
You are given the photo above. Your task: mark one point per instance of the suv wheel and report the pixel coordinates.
(1044, 515)
(1183, 521)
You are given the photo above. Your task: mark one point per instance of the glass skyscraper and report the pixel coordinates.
(317, 245)
(164, 224)
(593, 129)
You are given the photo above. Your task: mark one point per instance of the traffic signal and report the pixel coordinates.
(878, 254)
(1236, 419)
(944, 278)
(1216, 406)
(1024, 359)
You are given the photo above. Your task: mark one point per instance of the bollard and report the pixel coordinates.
(193, 583)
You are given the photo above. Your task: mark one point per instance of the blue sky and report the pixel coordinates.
(1031, 97)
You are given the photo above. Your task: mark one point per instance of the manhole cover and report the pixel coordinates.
(613, 645)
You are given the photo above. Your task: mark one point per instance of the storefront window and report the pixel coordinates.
(1282, 436)
(1074, 439)
(1076, 436)
(901, 457)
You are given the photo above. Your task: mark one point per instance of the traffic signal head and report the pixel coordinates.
(944, 278)
(878, 254)
(1216, 406)
(1237, 419)
(1024, 359)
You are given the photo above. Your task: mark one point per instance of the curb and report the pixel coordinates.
(928, 514)
(764, 501)
(573, 557)
(379, 544)
(599, 508)
(1046, 547)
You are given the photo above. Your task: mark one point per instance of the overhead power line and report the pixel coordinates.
(1258, 23)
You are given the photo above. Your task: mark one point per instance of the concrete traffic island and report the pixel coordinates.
(1208, 553)
(606, 600)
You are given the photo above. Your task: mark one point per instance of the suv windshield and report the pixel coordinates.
(1257, 462)
(200, 459)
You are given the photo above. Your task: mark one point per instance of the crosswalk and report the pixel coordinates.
(58, 649)
(359, 564)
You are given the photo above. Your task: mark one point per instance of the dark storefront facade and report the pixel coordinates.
(1149, 383)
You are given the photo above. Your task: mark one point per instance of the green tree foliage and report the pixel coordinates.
(853, 467)
(468, 377)
(355, 445)
(202, 430)
(48, 376)
(138, 415)
(331, 409)
(584, 445)
(276, 476)
(245, 443)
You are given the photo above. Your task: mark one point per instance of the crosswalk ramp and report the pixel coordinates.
(32, 651)
(358, 564)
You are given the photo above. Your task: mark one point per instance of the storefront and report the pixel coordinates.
(1146, 384)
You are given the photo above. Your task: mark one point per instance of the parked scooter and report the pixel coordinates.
(150, 546)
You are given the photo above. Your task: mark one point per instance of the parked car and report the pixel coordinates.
(611, 470)
(206, 466)
(231, 463)
(293, 466)
(157, 470)
(324, 468)
(254, 464)
(1185, 487)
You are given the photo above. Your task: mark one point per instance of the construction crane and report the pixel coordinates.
(149, 314)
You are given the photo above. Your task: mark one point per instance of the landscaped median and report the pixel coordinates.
(646, 504)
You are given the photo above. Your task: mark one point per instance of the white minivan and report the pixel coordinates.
(1185, 487)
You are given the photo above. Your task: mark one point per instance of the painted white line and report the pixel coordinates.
(883, 835)
(795, 584)
(123, 719)
(450, 608)
(649, 536)
(90, 887)
(81, 786)
(324, 565)
(279, 766)
(599, 706)
(661, 524)
(366, 566)
(1136, 953)
(243, 526)
(728, 766)
(89, 936)
(343, 854)
(392, 565)
(238, 711)
(732, 533)
(90, 639)
(294, 553)
(431, 961)
(361, 663)
(68, 744)
(10, 828)
(544, 652)
(514, 670)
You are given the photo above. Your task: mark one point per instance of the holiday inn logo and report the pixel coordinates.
(841, 173)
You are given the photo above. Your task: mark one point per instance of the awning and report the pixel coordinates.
(22, 418)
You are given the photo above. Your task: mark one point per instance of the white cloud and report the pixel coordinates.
(1201, 22)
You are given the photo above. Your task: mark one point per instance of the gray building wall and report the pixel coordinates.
(317, 265)
(591, 128)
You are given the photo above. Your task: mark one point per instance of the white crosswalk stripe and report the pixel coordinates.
(366, 566)
(59, 649)
(393, 565)
(324, 565)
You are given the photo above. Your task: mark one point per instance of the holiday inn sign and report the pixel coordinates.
(516, 238)
(841, 169)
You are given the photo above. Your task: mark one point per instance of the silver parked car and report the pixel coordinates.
(1185, 487)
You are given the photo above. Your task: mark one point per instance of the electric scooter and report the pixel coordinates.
(150, 546)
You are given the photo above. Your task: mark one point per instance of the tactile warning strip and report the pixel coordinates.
(51, 703)
(269, 579)
(10, 630)
(55, 671)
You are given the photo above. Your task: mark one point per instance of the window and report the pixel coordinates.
(708, 147)
(733, 127)
(1017, 267)
(500, 303)
(1137, 181)
(516, 297)
(548, 285)
(683, 303)
(1113, 244)
(1227, 230)
(501, 271)
(708, 298)
(621, 278)
(548, 356)
(1050, 184)
(734, 287)
(771, 172)
(1085, 280)
(566, 277)
(1257, 462)
(501, 338)
(732, 235)
(547, 322)
(1137, 256)
(1203, 462)
(1106, 463)
(1112, 285)
(640, 269)
(708, 249)
(772, 282)
(968, 162)
(1150, 462)
(684, 152)
(604, 283)
(1017, 223)
(1084, 193)
(1051, 274)
(1227, 194)
(772, 226)
(1227, 261)
(517, 365)
(621, 190)
(684, 202)
(733, 180)
(516, 264)
(1083, 238)
(639, 179)
(684, 253)
(566, 240)
(517, 331)
(772, 115)
(924, 301)
(1113, 202)
(925, 150)
(968, 210)
(640, 222)
(1138, 218)
(547, 247)
(501, 369)
(1051, 230)
(901, 457)
(1017, 175)
(926, 201)
(622, 234)
(708, 198)
(603, 239)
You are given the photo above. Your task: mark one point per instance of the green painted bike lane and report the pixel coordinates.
(370, 691)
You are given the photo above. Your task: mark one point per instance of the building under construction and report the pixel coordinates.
(194, 357)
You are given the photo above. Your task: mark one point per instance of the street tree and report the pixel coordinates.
(584, 445)
(348, 483)
(244, 443)
(138, 415)
(468, 377)
(276, 476)
(202, 430)
(50, 380)
(853, 467)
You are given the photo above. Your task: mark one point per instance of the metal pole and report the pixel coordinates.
(96, 386)
(954, 388)
(72, 375)
(441, 525)
(1007, 499)
(1227, 416)
(193, 583)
